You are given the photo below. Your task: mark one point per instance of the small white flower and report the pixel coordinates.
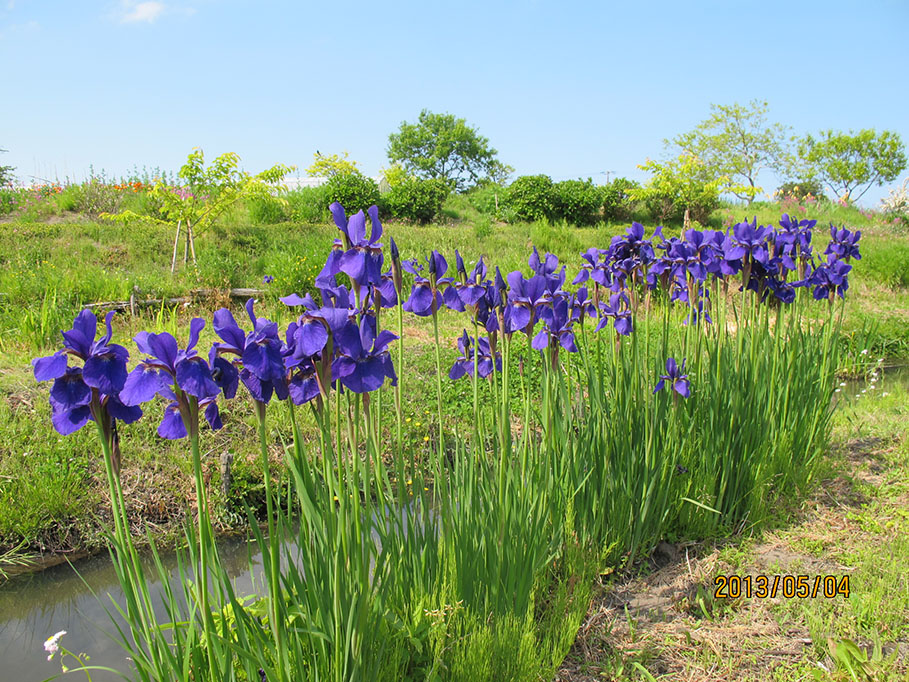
(837, 390)
(884, 395)
(865, 352)
(864, 390)
(52, 644)
(843, 384)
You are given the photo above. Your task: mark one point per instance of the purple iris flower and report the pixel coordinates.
(830, 279)
(633, 245)
(467, 293)
(180, 375)
(93, 390)
(362, 259)
(387, 289)
(173, 427)
(525, 297)
(304, 381)
(259, 352)
(618, 311)
(844, 244)
(783, 291)
(488, 307)
(548, 270)
(268, 279)
(317, 323)
(594, 267)
(582, 306)
(793, 241)
(623, 271)
(723, 265)
(425, 296)
(557, 327)
(483, 357)
(363, 361)
(749, 242)
(677, 377)
(544, 267)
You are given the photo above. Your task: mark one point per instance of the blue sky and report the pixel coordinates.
(571, 89)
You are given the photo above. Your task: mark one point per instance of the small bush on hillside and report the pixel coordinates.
(308, 205)
(531, 197)
(354, 191)
(92, 198)
(576, 201)
(267, 210)
(487, 199)
(617, 203)
(800, 189)
(678, 185)
(419, 201)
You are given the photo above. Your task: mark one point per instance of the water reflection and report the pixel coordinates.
(73, 598)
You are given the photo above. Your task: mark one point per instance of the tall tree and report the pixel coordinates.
(737, 141)
(443, 146)
(846, 161)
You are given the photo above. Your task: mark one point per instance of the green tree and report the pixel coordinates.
(205, 196)
(6, 173)
(846, 161)
(443, 146)
(331, 165)
(680, 185)
(737, 141)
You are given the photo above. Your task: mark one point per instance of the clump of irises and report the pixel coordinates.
(337, 347)
(336, 342)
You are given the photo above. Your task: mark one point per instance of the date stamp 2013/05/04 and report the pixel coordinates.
(786, 586)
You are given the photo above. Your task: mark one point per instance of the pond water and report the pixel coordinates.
(35, 606)
(891, 377)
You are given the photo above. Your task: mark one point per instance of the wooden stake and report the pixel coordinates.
(173, 261)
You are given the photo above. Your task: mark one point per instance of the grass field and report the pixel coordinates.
(53, 495)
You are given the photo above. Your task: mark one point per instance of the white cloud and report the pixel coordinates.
(133, 12)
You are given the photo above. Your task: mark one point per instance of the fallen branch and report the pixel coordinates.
(133, 303)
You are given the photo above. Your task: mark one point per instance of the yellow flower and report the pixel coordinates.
(425, 439)
(407, 420)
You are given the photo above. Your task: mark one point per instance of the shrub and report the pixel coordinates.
(487, 198)
(9, 200)
(531, 197)
(268, 210)
(680, 184)
(354, 191)
(617, 203)
(800, 189)
(92, 198)
(577, 201)
(419, 201)
(896, 205)
(308, 205)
